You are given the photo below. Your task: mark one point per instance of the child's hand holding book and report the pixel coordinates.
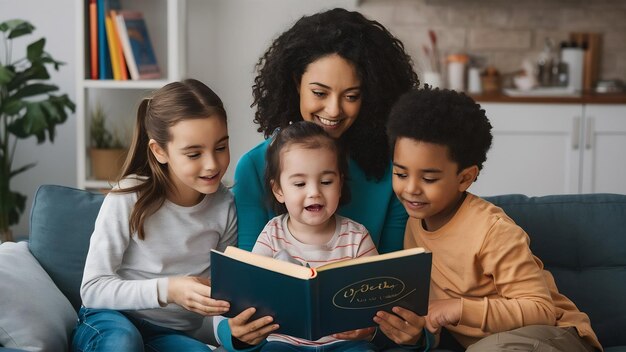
(251, 332)
(194, 294)
(404, 327)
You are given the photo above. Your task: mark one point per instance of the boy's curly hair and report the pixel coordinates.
(383, 66)
(443, 117)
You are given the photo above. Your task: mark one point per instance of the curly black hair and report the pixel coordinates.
(443, 117)
(382, 64)
(310, 136)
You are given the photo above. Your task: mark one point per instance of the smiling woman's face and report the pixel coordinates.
(330, 94)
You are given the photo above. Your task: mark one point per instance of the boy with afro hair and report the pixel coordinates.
(487, 288)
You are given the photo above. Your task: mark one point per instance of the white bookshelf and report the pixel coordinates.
(166, 24)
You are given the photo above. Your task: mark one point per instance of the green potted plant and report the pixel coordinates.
(27, 108)
(107, 152)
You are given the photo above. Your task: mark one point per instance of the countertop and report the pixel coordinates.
(585, 98)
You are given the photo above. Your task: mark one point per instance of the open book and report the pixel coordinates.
(314, 302)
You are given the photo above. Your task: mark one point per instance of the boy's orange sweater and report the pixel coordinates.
(482, 257)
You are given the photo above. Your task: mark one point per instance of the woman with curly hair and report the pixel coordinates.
(342, 71)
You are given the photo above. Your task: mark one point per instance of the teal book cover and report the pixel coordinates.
(312, 303)
(104, 57)
(142, 52)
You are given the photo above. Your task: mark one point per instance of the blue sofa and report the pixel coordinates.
(580, 238)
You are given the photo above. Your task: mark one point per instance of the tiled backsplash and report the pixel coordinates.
(504, 32)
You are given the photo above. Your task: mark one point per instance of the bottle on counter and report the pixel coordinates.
(559, 74)
(573, 55)
(456, 71)
(474, 84)
(490, 80)
(546, 63)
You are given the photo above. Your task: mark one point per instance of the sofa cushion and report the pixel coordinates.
(581, 240)
(35, 316)
(61, 223)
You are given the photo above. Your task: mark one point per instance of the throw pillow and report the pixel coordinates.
(36, 316)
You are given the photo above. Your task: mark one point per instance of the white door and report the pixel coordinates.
(604, 156)
(535, 150)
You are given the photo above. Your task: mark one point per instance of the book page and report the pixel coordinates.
(286, 268)
(375, 258)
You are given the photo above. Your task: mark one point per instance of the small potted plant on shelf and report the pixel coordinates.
(107, 152)
(27, 108)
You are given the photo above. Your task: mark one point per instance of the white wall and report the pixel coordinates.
(224, 40)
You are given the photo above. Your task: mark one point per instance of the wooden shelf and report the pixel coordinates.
(112, 84)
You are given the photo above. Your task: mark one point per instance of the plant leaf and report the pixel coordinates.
(54, 116)
(36, 122)
(17, 129)
(35, 50)
(51, 111)
(63, 102)
(6, 74)
(11, 107)
(47, 59)
(36, 71)
(34, 89)
(8, 25)
(16, 28)
(32, 123)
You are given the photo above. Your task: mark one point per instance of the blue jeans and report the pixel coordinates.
(111, 330)
(344, 346)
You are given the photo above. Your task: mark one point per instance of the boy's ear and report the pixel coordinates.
(157, 151)
(278, 193)
(467, 177)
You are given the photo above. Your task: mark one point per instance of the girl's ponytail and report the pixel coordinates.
(137, 159)
(137, 164)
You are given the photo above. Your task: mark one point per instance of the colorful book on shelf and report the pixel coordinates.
(119, 53)
(104, 58)
(126, 48)
(314, 302)
(138, 51)
(93, 39)
(111, 40)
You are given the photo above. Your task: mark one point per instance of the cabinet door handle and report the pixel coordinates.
(576, 133)
(589, 133)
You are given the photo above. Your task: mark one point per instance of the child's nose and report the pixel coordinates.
(209, 162)
(313, 191)
(413, 186)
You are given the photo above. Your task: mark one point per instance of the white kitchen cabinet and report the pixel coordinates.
(165, 20)
(604, 149)
(541, 149)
